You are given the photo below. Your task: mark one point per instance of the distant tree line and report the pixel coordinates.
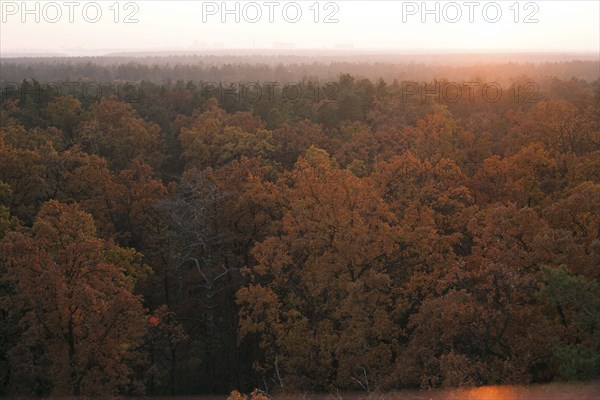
(213, 68)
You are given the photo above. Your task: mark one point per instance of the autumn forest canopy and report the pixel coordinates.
(188, 226)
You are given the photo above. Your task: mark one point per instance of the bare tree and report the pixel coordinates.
(196, 248)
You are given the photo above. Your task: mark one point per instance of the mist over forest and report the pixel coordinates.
(294, 65)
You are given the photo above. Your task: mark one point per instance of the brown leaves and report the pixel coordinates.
(73, 303)
(327, 270)
(114, 131)
(213, 138)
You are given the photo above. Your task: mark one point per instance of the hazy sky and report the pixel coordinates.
(546, 25)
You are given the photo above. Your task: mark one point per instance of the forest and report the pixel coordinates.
(372, 230)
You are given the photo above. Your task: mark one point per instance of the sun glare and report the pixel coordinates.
(492, 393)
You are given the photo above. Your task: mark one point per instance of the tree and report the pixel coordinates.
(198, 279)
(578, 301)
(112, 130)
(79, 326)
(23, 172)
(322, 300)
(293, 140)
(213, 138)
(165, 339)
(434, 137)
(527, 177)
(576, 222)
(560, 125)
(480, 326)
(64, 112)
